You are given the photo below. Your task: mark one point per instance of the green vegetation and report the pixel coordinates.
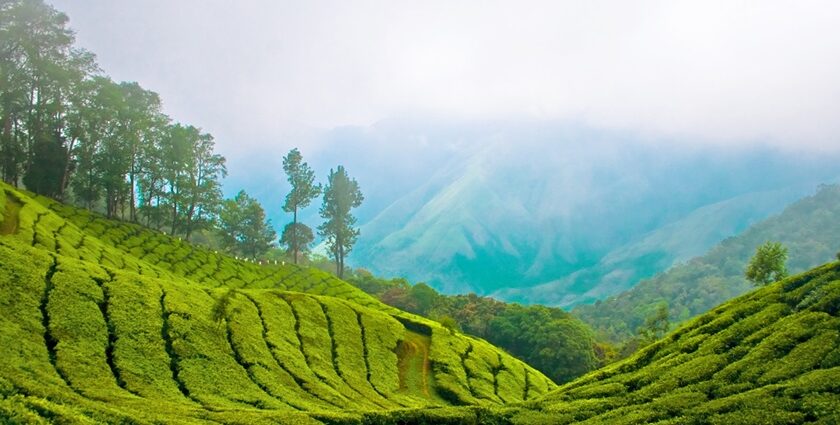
(298, 236)
(340, 196)
(244, 228)
(808, 228)
(549, 339)
(771, 356)
(768, 264)
(109, 321)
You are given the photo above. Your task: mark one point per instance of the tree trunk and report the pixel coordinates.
(294, 235)
(65, 177)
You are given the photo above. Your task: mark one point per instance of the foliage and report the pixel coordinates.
(766, 357)
(546, 338)
(69, 132)
(107, 321)
(340, 196)
(245, 229)
(656, 325)
(297, 236)
(768, 264)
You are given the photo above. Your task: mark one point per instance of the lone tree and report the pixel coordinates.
(297, 236)
(340, 195)
(768, 264)
(656, 325)
(244, 227)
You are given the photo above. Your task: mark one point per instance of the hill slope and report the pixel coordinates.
(808, 228)
(535, 204)
(771, 357)
(107, 321)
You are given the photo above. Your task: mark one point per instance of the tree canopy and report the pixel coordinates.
(340, 196)
(298, 236)
(245, 229)
(768, 264)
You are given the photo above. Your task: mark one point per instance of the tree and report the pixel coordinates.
(244, 227)
(298, 236)
(340, 196)
(768, 264)
(202, 189)
(656, 325)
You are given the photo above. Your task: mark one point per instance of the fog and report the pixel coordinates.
(270, 74)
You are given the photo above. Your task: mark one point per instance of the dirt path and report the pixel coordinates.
(414, 366)
(10, 216)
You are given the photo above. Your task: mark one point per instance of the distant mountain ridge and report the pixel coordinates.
(501, 208)
(659, 250)
(808, 228)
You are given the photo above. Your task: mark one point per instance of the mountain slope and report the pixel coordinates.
(107, 321)
(679, 241)
(808, 228)
(542, 204)
(771, 357)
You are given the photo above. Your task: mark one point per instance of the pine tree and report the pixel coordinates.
(340, 196)
(298, 236)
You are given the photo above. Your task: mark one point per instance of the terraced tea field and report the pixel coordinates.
(769, 357)
(104, 321)
(110, 322)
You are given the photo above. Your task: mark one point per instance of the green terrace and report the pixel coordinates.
(771, 356)
(104, 321)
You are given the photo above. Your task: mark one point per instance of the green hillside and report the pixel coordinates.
(769, 357)
(808, 228)
(109, 321)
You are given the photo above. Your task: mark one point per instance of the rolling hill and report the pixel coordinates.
(771, 357)
(104, 321)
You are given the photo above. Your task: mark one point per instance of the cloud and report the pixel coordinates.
(256, 72)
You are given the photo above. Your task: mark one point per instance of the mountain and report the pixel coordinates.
(808, 228)
(104, 321)
(660, 249)
(555, 213)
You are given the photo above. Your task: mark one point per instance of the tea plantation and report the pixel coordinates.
(769, 357)
(104, 321)
(108, 322)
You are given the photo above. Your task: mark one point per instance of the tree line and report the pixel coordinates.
(70, 132)
(547, 338)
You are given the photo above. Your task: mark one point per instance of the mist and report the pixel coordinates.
(269, 73)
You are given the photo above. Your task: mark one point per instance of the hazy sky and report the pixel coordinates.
(256, 72)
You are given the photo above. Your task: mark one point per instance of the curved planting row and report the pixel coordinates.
(203, 336)
(771, 356)
(78, 233)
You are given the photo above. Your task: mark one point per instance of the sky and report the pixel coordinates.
(273, 73)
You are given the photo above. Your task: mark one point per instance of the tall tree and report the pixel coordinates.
(244, 228)
(340, 195)
(298, 236)
(202, 187)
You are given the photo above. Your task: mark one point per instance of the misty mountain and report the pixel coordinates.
(546, 212)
